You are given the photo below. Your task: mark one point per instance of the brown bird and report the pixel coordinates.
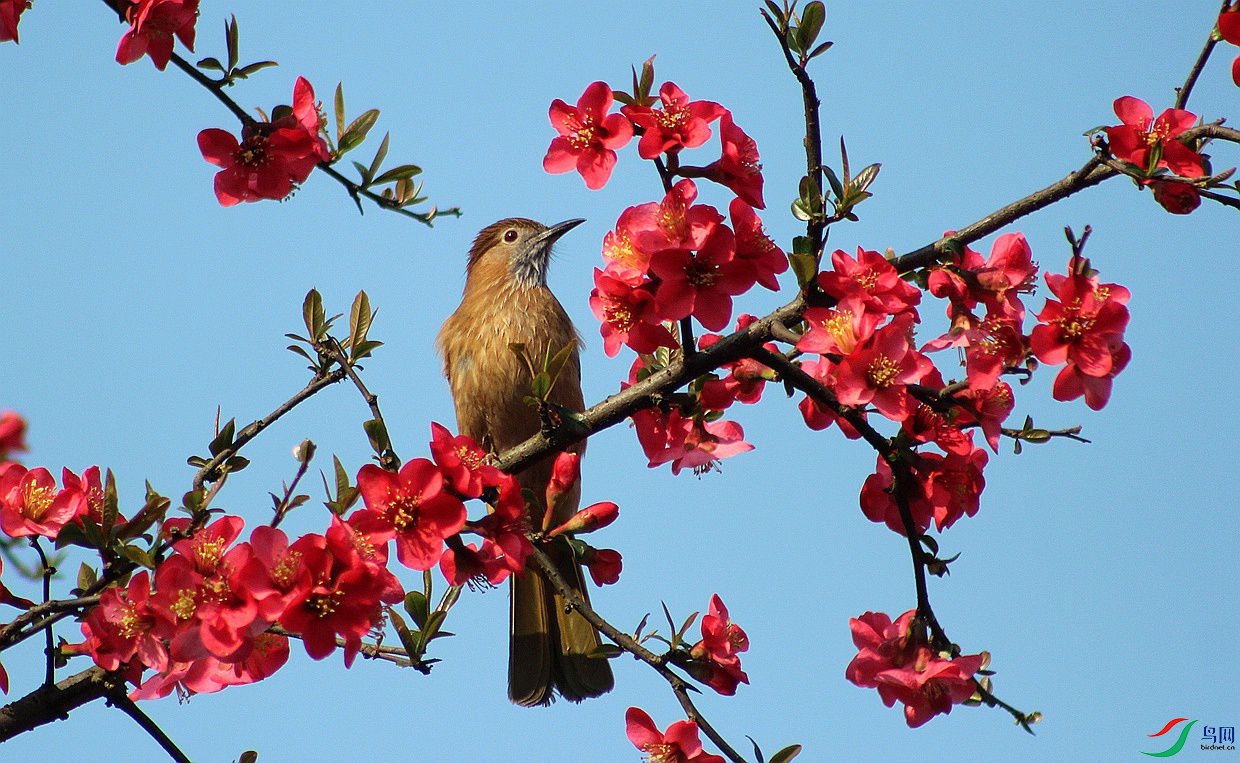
(507, 301)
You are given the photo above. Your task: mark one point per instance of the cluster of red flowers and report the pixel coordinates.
(153, 24)
(1151, 145)
(894, 660)
(205, 617)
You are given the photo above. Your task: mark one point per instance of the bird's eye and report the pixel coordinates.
(510, 235)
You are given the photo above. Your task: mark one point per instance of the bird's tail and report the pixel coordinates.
(551, 643)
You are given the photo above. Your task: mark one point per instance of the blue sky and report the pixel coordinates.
(1100, 577)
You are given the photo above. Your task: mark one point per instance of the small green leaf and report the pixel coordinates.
(606, 651)
(380, 155)
(408, 639)
(339, 108)
(403, 172)
(312, 314)
(245, 71)
(231, 34)
(86, 577)
(249, 756)
(540, 386)
(138, 556)
(803, 266)
(224, 438)
(111, 504)
(417, 607)
(356, 132)
(359, 318)
(836, 186)
(786, 754)
(378, 435)
(812, 18)
(818, 51)
(210, 64)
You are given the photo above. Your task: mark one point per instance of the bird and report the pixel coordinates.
(506, 301)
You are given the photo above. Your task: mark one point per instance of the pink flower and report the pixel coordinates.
(991, 346)
(1228, 27)
(679, 744)
(123, 626)
(687, 442)
(271, 157)
(740, 167)
(1084, 326)
(415, 508)
(588, 136)
(12, 434)
(681, 123)
(153, 24)
(1072, 382)
(754, 248)
(1140, 134)
(995, 282)
(10, 14)
(506, 525)
(716, 660)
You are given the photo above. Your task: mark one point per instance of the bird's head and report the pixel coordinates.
(519, 247)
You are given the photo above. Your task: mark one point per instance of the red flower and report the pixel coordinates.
(739, 168)
(991, 346)
(30, 503)
(565, 472)
(625, 260)
(895, 661)
(687, 442)
(350, 588)
(415, 509)
(989, 408)
(722, 639)
(754, 247)
(879, 505)
(955, 485)
(878, 372)
(871, 279)
(10, 13)
(271, 157)
(1176, 197)
(1137, 139)
(278, 575)
(838, 330)
(1085, 326)
(675, 222)
(86, 494)
(745, 380)
(627, 315)
(153, 23)
(700, 284)
(1072, 382)
(604, 565)
(1228, 27)
(995, 282)
(123, 626)
(506, 525)
(470, 563)
(679, 744)
(588, 136)
(462, 462)
(12, 434)
(681, 123)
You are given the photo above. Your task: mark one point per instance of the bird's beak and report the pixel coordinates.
(552, 234)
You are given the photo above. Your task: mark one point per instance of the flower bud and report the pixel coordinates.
(564, 474)
(592, 517)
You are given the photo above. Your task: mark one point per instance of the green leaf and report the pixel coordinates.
(803, 266)
(364, 349)
(359, 319)
(249, 756)
(86, 577)
(378, 435)
(356, 132)
(111, 504)
(786, 754)
(818, 51)
(800, 212)
(647, 80)
(403, 172)
(138, 556)
(210, 64)
(312, 313)
(230, 33)
(155, 509)
(865, 177)
(408, 639)
(836, 186)
(224, 438)
(380, 155)
(540, 386)
(339, 108)
(245, 71)
(812, 18)
(417, 607)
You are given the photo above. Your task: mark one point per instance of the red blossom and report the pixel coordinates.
(838, 330)
(506, 525)
(277, 575)
(879, 371)
(740, 167)
(565, 472)
(463, 566)
(674, 222)
(679, 744)
(700, 284)
(687, 442)
(604, 565)
(462, 462)
(1085, 326)
(722, 639)
(745, 380)
(991, 346)
(894, 660)
(1228, 27)
(10, 14)
(681, 123)
(123, 625)
(996, 282)
(955, 484)
(1150, 143)
(414, 508)
(1072, 382)
(30, 504)
(153, 24)
(989, 408)
(588, 136)
(754, 248)
(627, 315)
(871, 279)
(1176, 197)
(12, 434)
(880, 505)
(271, 157)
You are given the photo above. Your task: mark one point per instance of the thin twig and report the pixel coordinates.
(1182, 92)
(49, 677)
(121, 700)
(331, 348)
